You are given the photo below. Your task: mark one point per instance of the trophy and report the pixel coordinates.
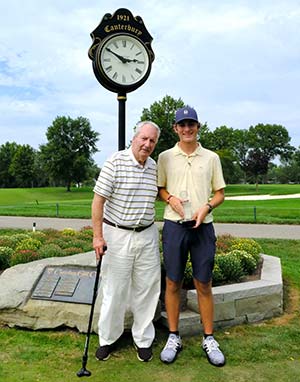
(187, 208)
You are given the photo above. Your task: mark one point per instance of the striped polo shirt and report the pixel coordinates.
(129, 188)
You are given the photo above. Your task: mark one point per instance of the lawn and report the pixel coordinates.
(267, 351)
(263, 189)
(57, 202)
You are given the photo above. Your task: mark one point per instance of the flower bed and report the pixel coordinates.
(19, 248)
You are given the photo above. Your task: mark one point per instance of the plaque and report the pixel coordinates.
(66, 286)
(73, 284)
(46, 287)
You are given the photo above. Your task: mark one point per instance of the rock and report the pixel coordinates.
(18, 309)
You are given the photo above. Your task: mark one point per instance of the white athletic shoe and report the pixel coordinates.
(213, 353)
(171, 349)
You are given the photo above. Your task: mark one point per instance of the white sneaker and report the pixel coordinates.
(213, 353)
(171, 349)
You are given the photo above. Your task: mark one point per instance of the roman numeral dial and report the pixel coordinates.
(124, 60)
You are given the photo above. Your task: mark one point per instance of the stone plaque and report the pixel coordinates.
(66, 284)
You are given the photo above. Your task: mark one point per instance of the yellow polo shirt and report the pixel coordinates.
(200, 174)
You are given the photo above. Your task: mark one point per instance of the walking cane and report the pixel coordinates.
(83, 372)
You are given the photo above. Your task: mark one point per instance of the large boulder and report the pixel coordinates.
(18, 308)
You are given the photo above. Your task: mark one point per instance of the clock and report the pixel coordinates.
(122, 62)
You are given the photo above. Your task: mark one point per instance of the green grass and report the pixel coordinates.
(49, 201)
(263, 189)
(263, 352)
(14, 196)
(278, 211)
(57, 202)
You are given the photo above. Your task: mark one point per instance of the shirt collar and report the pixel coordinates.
(178, 150)
(136, 163)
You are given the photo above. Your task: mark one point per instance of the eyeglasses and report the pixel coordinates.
(189, 124)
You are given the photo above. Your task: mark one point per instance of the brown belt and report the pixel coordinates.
(136, 229)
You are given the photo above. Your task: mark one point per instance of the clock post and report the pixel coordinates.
(122, 57)
(122, 120)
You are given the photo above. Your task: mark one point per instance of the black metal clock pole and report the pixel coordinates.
(122, 119)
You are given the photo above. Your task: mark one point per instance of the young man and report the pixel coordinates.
(123, 216)
(190, 181)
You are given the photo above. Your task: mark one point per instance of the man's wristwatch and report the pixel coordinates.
(210, 207)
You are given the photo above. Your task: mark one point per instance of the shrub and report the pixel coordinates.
(85, 235)
(47, 243)
(230, 266)
(87, 228)
(5, 256)
(248, 245)
(248, 261)
(80, 244)
(7, 241)
(38, 235)
(217, 276)
(50, 250)
(52, 233)
(61, 242)
(88, 246)
(223, 243)
(29, 243)
(72, 251)
(69, 232)
(18, 237)
(23, 256)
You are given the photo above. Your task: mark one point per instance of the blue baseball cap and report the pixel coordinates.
(186, 112)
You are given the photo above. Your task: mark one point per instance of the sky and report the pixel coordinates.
(236, 62)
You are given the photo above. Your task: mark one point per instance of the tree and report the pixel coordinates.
(41, 176)
(68, 154)
(230, 145)
(256, 164)
(163, 114)
(22, 166)
(296, 157)
(241, 145)
(7, 152)
(231, 170)
(205, 136)
(265, 142)
(221, 138)
(272, 140)
(290, 172)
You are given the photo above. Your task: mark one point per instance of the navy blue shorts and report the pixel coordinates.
(179, 242)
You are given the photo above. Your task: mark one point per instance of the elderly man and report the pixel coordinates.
(123, 216)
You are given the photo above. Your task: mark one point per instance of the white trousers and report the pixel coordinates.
(130, 275)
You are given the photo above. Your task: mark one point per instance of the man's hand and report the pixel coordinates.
(100, 247)
(177, 205)
(200, 215)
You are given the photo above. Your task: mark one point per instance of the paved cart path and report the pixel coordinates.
(275, 231)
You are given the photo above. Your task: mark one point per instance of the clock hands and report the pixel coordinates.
(123, 59)
(135, 60)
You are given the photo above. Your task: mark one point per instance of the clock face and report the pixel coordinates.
(124, 60)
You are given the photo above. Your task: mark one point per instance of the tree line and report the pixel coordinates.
(64, 160)
(246, 154)
(67, 158)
